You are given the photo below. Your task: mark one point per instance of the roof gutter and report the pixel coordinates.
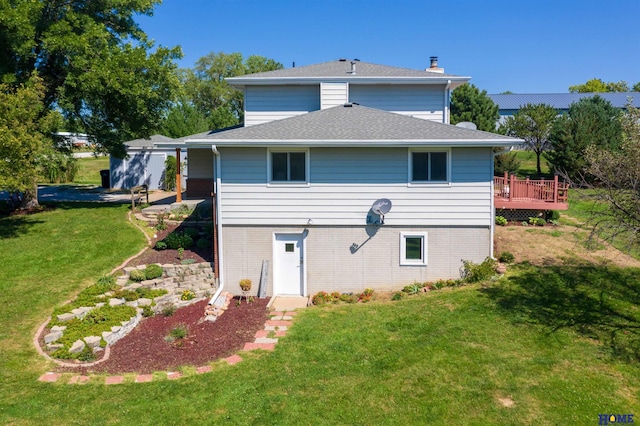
(217, 243)
(447, 99)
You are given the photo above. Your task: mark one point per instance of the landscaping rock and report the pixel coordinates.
(54, 346)
(53, 336)
(144, 302)
(65, 317)
(77, 347)
(59, 328)
(116, 302)
(93, 341)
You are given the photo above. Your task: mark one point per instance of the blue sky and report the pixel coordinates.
(535, 46)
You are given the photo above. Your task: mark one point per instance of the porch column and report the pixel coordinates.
(178, 179)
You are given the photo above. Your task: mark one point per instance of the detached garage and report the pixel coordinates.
(144, 164)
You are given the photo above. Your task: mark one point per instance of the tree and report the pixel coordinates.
(97, 66)
(636, 87)
(468, 103)
(24, 126)
(617, 178)
(595, 85)
(590, 122)
(533, 123)
(184, 119)
(206, 89)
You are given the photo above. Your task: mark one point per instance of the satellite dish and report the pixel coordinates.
(381, 206)
(467, 125)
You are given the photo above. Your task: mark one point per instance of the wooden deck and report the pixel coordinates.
(510, 192)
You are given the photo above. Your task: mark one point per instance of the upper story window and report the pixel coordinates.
(429, 166)
(288, 166)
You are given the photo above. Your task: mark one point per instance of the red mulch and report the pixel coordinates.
(145, 349)
(151, 255)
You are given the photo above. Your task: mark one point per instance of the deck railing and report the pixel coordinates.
(513, 189)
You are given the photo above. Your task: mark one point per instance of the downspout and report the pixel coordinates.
(493, 203)
(447, 98)
(217, 228)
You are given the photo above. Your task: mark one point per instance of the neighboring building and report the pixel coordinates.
(509, 104)
(144, 164)
(326, 150)
(74, 140)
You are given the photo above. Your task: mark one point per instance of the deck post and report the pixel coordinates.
(555, 188)
(512, 186)
(178, 180)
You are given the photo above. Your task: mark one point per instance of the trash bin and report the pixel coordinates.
(104, 174)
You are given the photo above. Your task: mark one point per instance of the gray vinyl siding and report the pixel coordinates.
(270, 103)
(344, 183)
(425, 102)
(332, 265)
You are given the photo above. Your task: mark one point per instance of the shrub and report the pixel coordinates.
(191, 232)
(524, 223)
(501, 220)
(161, 225)
(398, 295)
(537, 221)
(320, 298)
(86, 354)
(137, 275)
(153, 271)
(366, 296)
(188, 262)
(412, 289)
(179, 332)
(187, 295)
(506, 257)
(348, 298)
(147, 311)
(168, 310)
(553, 215)
(473, 272)
(161, 245)
(176, 240)
(202, 243)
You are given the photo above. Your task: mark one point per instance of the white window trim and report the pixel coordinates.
(403, 249)
(283, 183)
(410, 180)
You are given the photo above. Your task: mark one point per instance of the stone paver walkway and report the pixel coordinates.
(275, 327)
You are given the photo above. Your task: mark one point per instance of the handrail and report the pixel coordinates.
(511, 188)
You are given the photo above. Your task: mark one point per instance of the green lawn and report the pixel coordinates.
(560, 344)
(528, 165)
(89, 170)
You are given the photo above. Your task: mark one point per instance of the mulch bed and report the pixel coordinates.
(145, 349)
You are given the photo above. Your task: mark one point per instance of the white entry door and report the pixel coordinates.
(288, 265)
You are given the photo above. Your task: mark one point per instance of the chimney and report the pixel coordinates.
(434, 65)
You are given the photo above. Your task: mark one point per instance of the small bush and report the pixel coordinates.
(537, 221)
(412, 289)
(168, 310)
(176, 240)
(179, 332)
(501, 220)
(367, 295)
(348, 298)
(153, 271)
(202, 243)
(137, 275)
(147, 311)
(86, 354)
(188, 261)
(161, 245)
(473, 272)
(191, 232)
(553, 215)
(398, 295)
(506, 257)
(161, 225)
(524, 223)
(187, 295)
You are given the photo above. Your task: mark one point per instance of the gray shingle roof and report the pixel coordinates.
(560, 100)
(148, 143)
(341, 69)
(354, 125)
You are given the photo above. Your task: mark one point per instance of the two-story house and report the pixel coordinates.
(347, 175)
